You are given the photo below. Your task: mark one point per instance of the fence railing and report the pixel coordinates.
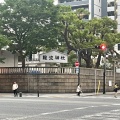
(52, 70)
(37, 70)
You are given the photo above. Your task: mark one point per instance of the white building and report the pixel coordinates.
(11, 60)
(96, 8)
(117, 13)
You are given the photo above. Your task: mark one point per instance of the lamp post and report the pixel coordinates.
(104, 73)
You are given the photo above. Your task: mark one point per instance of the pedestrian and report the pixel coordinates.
(115, 90)
(79, 89)
(15, 89)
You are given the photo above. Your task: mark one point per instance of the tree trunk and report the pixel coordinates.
(86, 55)
(79, 58)
(23, 62)
(89, 63)
(65, 35)
(98, 60)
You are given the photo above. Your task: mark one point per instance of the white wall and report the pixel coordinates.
(11, 59)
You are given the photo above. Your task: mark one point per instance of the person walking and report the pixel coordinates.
(15, 88)
(79, 89)
(115, 90)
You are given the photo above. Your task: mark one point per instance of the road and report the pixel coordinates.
(60, 108)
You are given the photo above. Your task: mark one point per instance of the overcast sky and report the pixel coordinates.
(1, 1)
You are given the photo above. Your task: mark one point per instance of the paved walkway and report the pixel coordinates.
(57, 95)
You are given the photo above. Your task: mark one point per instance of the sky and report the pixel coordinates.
(1, 1)
(55, 2)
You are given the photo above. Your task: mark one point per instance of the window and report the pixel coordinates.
(86, 17)
(111, 13)
(111, 4)
(119, 46)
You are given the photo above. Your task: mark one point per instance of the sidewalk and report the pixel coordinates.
(57, 94)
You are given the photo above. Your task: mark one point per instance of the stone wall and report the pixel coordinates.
(59, 83)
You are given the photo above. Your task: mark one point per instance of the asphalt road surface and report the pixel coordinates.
(60, 108)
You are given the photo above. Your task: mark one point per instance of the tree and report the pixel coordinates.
(30, 25)
(112, 39)
(75, 33)
(82, 36)
(102, 28)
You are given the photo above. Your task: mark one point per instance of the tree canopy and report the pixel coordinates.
(29, 24)
(36, 25)
(81, 35)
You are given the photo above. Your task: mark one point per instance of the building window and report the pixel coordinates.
(111, 4)
(111, 13)
(118, 46)
(86, 17)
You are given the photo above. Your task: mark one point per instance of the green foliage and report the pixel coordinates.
(35, 25)
(3, 41)
(82, 35)
(72, 58)
(31, 24)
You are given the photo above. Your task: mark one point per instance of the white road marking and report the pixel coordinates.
(81, 108)
(111, 115)
(48, 113)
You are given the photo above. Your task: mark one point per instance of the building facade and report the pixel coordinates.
(11, 60)
(117, 12)
(96, 8)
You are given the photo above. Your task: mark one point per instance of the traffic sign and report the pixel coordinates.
(77, 70)
(77, 64)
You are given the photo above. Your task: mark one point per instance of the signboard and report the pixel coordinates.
(110, 83)
(53, 57)
(77, 70)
